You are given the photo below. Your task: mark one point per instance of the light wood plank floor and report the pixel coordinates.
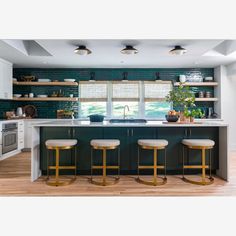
(15, 181)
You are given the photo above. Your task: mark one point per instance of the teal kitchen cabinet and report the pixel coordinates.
(54, 133)
(128, 145)
(84, 135)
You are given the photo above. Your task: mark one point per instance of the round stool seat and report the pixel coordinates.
(105, 142)
(153, 142)
(198, 142)
(61, 142)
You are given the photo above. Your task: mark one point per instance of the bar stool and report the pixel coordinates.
(104, 145)
(203, 145)
(152, 144)
(58, 145)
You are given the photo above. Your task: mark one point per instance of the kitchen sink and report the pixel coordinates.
(128, 121)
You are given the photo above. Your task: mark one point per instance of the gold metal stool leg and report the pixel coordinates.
(104, 168)
(204, 180)
(57, 181)
(155, 181)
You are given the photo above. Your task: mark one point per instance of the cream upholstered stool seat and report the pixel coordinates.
(57, 145)
(152, 144)
(203, 145)
(104, 145)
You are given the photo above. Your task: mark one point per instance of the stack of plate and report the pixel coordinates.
(44, 80)
(69, 80)
(42, 96)
(16, 95)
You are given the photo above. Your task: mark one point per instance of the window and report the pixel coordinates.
(144, 98)
(125, 93)
(93, 98)
(154, 98)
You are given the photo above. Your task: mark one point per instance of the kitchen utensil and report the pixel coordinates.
(182, 78)
(31, 95)
(19, 111)
(172, 118)
(30, 111)
(210, 112)
(69, 80)
(17, 95)
(96, 118)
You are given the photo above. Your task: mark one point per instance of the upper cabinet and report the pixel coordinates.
(5, 79)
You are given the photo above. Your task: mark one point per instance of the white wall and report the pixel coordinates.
(226, 91)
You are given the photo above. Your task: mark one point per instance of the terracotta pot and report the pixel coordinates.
(191, 119)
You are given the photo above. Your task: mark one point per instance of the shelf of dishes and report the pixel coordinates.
(196, 84)
(71, 99)
(46, 83)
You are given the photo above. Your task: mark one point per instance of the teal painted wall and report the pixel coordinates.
(48, 109)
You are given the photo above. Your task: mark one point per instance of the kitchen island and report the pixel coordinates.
(128, 134)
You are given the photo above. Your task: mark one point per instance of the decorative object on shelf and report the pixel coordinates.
(30, 111)
(96, 118)
(129, 50)
(82, 50)
(92, 76)
(208, 94)
(208, 79)
(201, 94)
(69, 80)
(26, 95)
(31, 95)
(42, 96)
(178, 50)
(28, 78)
(71, 95)
(19, 111)
(182, 78)
(195, 78)
(17, 95)
(55, 80)
(14, 79)
(65, 114)
(60, 93)
(54, 94)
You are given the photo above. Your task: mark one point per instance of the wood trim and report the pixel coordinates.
(92, 99)
(46, 99)
(206, 99)
(197, 84)
(158, 82)
(154, 99)
(125, 99)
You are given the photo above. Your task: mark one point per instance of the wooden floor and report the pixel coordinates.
(15, 181)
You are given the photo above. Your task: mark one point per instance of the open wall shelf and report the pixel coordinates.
(197, 84)
(46, 83)
(65, 99)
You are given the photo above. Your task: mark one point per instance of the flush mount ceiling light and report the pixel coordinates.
(82, 50)
(178, 50)
(129, 50)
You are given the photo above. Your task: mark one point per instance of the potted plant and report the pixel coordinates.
(182, 98)
(195, 113)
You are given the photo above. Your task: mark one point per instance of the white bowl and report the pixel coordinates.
(17, 95)
(42, 96)
(44, 80)
(69, 80)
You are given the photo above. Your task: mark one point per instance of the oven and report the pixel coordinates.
(9, 137)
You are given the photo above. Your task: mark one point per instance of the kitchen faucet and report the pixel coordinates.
(124, 116)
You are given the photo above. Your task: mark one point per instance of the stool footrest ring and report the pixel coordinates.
(209, 181)
(152, 183)
(105, 183)
(59, 182)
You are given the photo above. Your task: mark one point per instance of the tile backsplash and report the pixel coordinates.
(48, 109)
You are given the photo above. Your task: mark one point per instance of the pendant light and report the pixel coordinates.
(92, 77)
(82, 50)
(129, 50)
(178, 50)
(125, 75)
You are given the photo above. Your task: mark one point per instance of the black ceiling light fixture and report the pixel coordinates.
(178, 50)
(129, 50)
(125, 77)
(92, 76)
(82, 50)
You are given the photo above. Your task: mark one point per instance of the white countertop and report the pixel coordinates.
(79, 123)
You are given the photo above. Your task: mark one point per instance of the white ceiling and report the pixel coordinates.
(106, 53)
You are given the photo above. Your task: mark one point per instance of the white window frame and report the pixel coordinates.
(109, 102)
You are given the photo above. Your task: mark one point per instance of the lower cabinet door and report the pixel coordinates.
(84, 135)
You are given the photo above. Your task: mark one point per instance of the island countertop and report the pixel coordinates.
(79, 123)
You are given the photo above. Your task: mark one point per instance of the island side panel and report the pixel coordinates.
(35, 153)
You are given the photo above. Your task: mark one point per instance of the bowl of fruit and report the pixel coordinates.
(172, 116)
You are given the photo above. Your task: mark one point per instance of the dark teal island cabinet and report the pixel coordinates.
(128, 136)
